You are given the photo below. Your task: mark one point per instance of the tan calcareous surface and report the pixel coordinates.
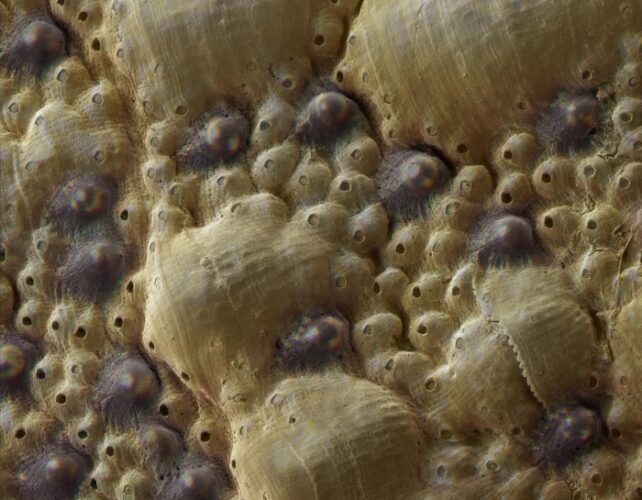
(324, 249)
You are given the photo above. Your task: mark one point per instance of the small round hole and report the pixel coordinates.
(548, 221)
(292, 420)
(446, 434)
(20, 433)
(185, 377)
(400, 248)
(589, 171)
(55, 325)
(181, 110)
(623, 183)
(205, 436)
(516, 431)
(93, 484)
(163, 410)
(596, 479)
(359, 236)
(586, 75)
(593, 382)
(233, 463)
(340, 282)
(455, 291)
(151, 345)
(422, 330)
(118, 322)
(95, 44)
(546, 178)
(441, 471)
(109, 451)
(82, 16)
(591, 224)
(313, 219)
(339, 76)
(81, 332)
(462, 148)
(491, 466)
(124, 215)
(430, 384)
(625, 117)
(344, 186)
(389, 365)
(287, 83)
(506, 198)
(508, 154)
(416, 291)
(130, 286)
(40, 374)
(264, 125)
(61, 399)
(27, 321)
(319, 40)
(376, 288)
(83, 434)
(29, 281)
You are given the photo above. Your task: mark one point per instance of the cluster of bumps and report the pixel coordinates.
(249, 286)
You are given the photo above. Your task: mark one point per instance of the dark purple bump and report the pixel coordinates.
(80, 201)
(17, 357)
(160, 445)
(127, 388)
(92, 269)
(55, 475)
(566, 124)
(409, 181)
(223, 137)
(327, 116)
(565, 433)
(507, 239)
(35, 47)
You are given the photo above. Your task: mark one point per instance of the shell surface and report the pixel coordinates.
(274, 249)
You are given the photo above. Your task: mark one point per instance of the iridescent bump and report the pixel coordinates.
(17, 356)
(92, 269)
(315, 343)
(81, 201)
(409, 180)
(328, 115)
(565, 433)
(224, 137)
(507, 239)
(55, 475)
(566, 124)
(127, 387)
(216, 138)
(36, 46)
(195, 482)
(160, 445)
